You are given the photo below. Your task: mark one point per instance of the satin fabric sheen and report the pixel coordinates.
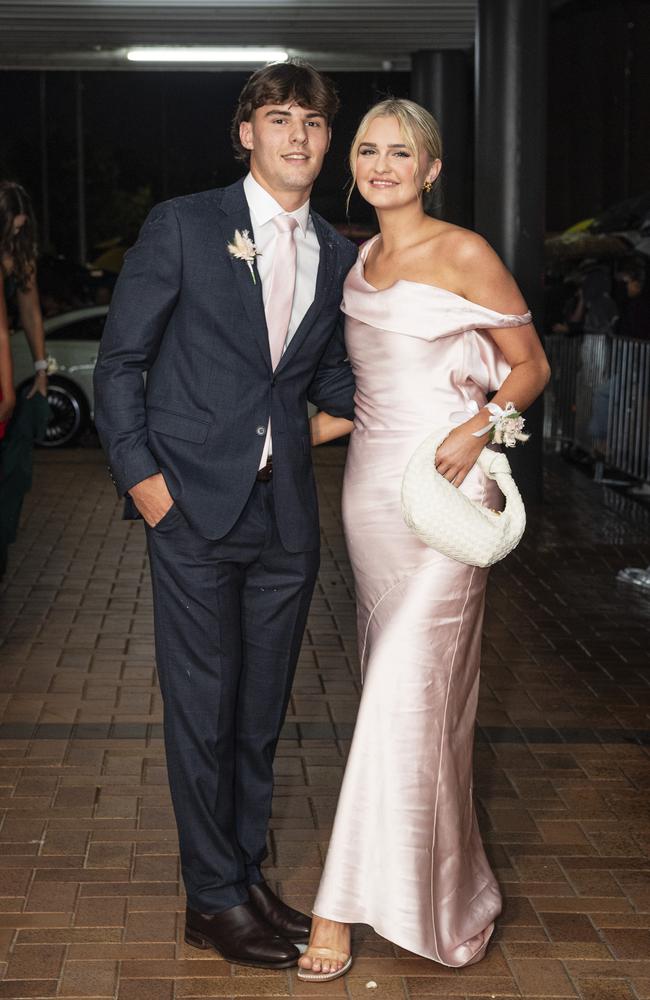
(405, 854)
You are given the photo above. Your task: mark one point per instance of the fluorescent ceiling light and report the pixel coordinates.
(199, 54)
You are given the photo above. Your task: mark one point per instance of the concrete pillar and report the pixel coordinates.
(441, 82)
(45, 171)
(82, 247)
(510, 166)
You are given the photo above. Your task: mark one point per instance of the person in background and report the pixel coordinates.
(595, 310)
(23, 422)
(19, 302)
(559, 294)
(7, 394)
(563, 305)
(634, 321)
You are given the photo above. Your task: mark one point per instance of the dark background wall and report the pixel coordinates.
(152, 135)
(599, 107)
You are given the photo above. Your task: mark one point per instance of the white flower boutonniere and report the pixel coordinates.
(243, 248)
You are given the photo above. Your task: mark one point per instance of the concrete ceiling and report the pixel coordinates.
(335, 34)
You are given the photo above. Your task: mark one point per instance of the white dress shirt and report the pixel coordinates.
(263, 208)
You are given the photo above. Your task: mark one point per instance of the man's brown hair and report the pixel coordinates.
(280, 83)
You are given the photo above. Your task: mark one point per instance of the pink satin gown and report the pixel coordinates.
(406, 855)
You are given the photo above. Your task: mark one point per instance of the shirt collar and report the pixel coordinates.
(264, 207)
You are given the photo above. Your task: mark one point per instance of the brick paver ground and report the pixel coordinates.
(90, 899)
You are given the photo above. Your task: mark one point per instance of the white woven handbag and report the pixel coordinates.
(448, 521)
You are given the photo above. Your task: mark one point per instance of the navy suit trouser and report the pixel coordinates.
(229, 618)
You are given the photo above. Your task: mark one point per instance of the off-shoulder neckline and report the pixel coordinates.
(361, 261)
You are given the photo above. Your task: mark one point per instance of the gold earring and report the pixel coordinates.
(427, 186)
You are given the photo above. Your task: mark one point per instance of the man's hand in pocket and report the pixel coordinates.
(152, 498)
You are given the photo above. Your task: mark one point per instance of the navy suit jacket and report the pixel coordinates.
(189, 315)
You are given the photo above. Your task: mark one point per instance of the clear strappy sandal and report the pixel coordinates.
(307, 976)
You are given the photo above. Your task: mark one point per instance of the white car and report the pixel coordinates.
(71, 344)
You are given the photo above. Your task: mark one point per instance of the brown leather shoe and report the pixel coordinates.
(284, 920)
(240, 935)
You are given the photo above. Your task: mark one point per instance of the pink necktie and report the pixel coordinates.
(281, 286)
(279, 298)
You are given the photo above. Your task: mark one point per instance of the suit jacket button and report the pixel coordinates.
(260, 431)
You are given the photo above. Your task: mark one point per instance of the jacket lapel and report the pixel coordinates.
(236, 215)
(326, 271)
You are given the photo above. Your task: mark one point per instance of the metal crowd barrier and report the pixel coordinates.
(598, 400)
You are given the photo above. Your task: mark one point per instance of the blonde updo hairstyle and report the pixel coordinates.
(419, 130)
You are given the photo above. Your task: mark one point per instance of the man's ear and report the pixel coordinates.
(246, 134)
(329, 139)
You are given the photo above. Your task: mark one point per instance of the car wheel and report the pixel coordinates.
(70, 413)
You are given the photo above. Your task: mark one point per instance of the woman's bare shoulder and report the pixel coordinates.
(464, 246)
(476, 270)
(472, 258)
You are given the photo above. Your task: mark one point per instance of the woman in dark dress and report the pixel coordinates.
(19, 305)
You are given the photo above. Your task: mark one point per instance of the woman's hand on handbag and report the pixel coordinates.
(448, 520)
(458, 453)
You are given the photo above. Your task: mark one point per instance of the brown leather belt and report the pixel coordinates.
(265, 473)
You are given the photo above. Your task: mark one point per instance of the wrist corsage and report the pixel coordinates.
(505, 426)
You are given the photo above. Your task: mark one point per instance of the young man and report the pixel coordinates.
(229, 301)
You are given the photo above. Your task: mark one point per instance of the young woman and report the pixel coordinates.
(434, 322)
(18, 290)
(7, 394)
(18, 304)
